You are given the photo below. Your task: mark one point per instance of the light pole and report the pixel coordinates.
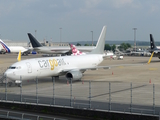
(92, 37)
(135, 38)
(35, 33)
(60, 35)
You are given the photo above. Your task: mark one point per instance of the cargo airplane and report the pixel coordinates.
(38, 47)
(72, 67)
(14, 49)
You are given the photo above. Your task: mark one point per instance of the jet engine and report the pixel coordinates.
(74, 75)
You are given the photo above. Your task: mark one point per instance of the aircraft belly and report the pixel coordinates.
(47, 72)
(23, 75)
(157, 54)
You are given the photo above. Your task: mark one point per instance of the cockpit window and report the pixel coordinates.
(12, 67)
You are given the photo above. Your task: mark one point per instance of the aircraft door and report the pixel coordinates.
(29, 67)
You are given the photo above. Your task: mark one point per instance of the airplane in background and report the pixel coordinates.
(153, 50)
(75, 51)
(14, 49)
(2, 51)
(109, 55)
(38, 47)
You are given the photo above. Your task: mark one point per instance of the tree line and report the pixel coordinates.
(123, 46)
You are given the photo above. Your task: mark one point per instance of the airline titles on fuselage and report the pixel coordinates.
(51, 63)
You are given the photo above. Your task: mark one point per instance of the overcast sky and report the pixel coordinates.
(78, 18)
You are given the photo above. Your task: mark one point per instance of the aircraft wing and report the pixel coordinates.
(156, 51)
(99, 67)
(26, 51)
(83, 69)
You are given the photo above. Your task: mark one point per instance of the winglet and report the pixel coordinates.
(33, 41)
(101, 42)
(19, 56)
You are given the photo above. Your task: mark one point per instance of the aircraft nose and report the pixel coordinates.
(6, 74)
(9, 74)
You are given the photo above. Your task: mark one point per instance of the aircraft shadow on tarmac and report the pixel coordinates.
(61, 80)
(146, 62)
(122, 90)
(155, 61)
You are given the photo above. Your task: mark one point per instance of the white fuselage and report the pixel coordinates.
(51, 66)
(12, 49)
(17, 49)
(62, 49)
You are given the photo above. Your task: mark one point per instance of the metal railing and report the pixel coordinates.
(25, 116)
(110, 96)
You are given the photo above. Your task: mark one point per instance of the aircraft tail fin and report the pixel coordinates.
(19, 56)
(101, 42)
(152, 43)
(75, 51)
(6, 48)
(33, 41)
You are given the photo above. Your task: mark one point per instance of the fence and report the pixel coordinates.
(25, 116)
(101, 95)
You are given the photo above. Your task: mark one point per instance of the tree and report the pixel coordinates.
(107, 47)
(124, 46)
(128, 45)
(86, 45)
(78, 44)
(113, 48)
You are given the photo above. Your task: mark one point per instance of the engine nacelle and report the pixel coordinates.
(18, 81)
(74, 75)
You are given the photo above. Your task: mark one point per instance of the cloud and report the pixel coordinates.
(154, 8)
(47, 16)
(126, 3)
(93, 7)
(66, 3)
(92, 3)
(8, 7)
